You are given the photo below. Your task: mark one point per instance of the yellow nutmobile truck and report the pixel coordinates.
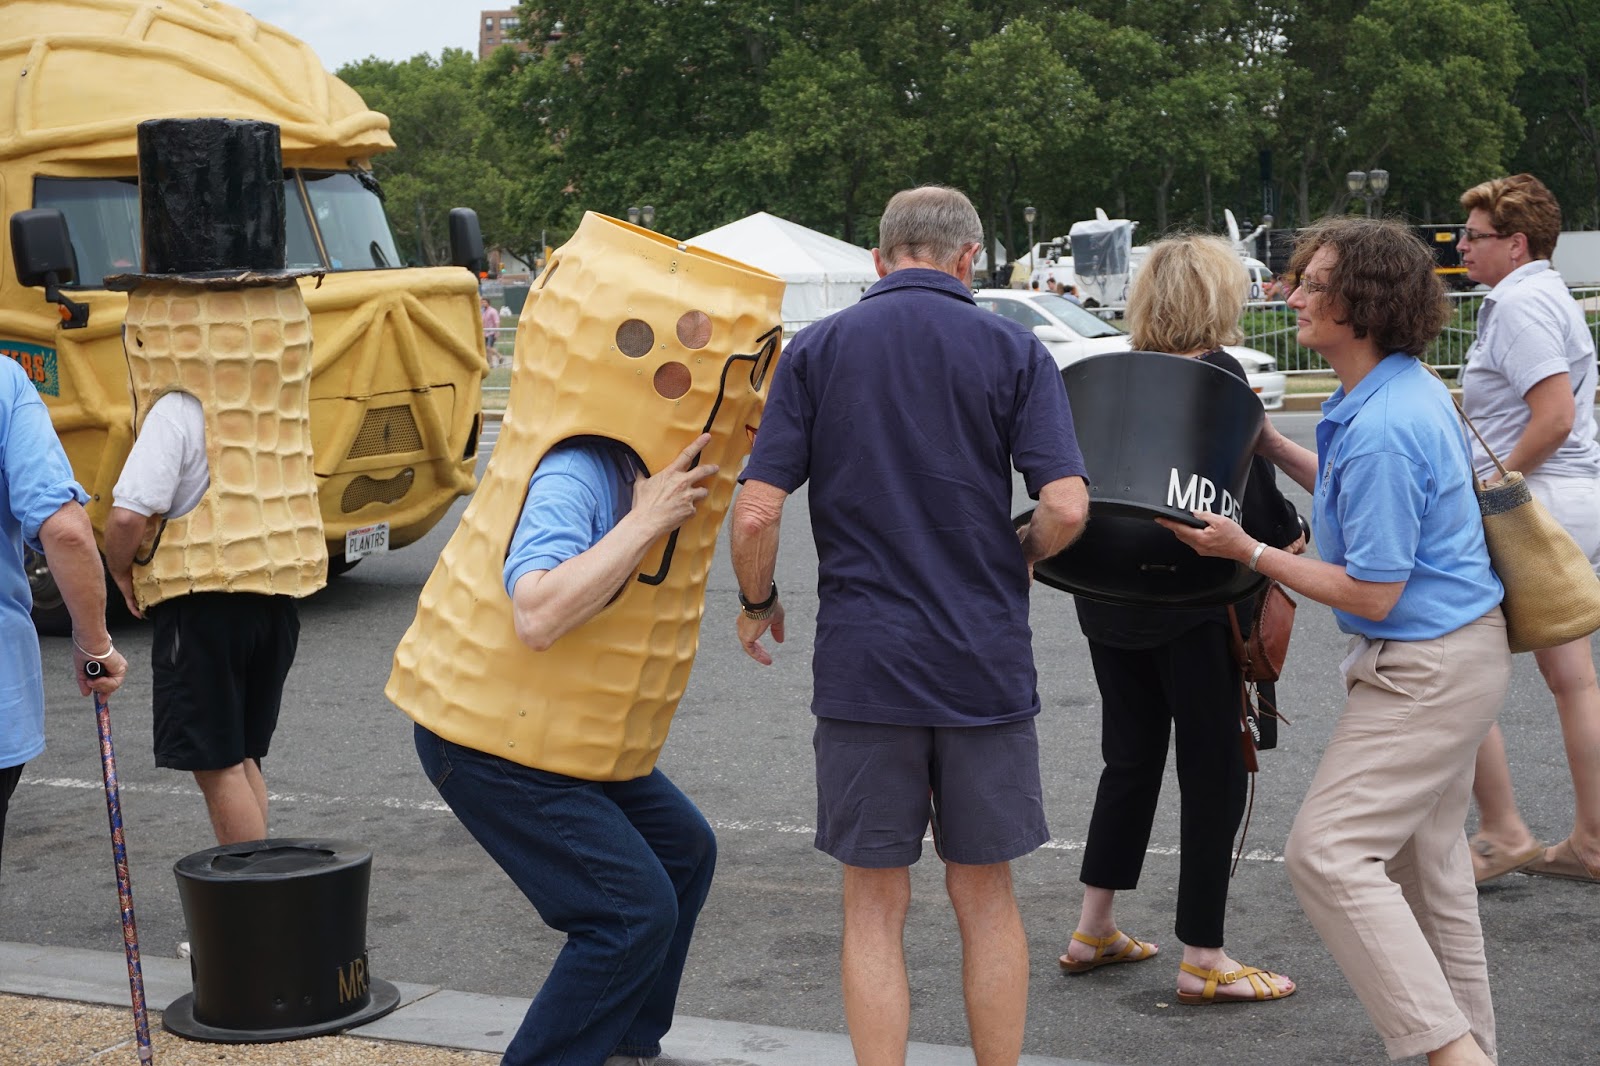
(398, 351)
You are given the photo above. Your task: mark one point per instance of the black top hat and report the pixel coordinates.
(211, 204)
(1162, 436)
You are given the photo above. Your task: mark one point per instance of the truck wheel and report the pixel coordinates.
(337, 564)
(50, 615)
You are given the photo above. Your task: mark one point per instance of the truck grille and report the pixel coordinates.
(386, 431)
(363, 490)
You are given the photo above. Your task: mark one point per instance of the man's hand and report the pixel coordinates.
(751, 630)
(669, 499)
(1022, 538)
(124, 582)
(115, 671)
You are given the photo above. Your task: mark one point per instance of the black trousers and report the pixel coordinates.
(1191, 684)
(8, 784)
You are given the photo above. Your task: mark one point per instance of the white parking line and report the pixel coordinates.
(394, 804)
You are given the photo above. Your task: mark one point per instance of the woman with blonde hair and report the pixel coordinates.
(1161, 670)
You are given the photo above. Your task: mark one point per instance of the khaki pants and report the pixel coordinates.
(1378, 853)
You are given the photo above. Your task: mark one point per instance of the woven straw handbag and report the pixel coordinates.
(1552, 594)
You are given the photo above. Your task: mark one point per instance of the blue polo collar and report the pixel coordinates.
(1341, 407)
(920, 278)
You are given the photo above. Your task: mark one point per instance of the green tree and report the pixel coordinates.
(1559, 95)
(1421, 88)
(445, 155)
(637, 102)
(1014, 109)
(1438, 76)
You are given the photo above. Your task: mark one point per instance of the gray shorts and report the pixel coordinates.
(879, 786)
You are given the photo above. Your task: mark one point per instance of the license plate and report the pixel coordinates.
(366, 540)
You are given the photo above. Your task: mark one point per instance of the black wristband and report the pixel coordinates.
(771, 599)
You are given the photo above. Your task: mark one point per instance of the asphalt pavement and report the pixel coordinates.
(442, 916)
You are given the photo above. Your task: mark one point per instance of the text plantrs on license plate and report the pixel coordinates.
(366, 540)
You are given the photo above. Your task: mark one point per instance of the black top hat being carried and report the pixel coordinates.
(211, 204)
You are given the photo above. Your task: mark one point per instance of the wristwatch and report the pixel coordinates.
(760, 612)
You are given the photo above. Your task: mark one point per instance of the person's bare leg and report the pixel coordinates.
(236, 814)
(994, 959)
(1569, 671)
(258, 789)
(1500, 824)
(1462, 1051)
(1095, 918)
(877, 995)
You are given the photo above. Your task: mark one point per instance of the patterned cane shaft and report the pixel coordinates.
(119, 855)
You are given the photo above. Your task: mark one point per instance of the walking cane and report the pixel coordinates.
(119, 852)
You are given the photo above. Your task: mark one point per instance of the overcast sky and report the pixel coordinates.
(340, 31)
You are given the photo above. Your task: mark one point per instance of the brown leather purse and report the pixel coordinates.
(1260, 655)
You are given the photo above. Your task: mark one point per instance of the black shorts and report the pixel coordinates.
(218, 664)
(880, 786)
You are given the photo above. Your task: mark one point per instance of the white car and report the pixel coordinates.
(1071, 333)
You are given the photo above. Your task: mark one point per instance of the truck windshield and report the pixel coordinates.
(103, 218)
(350, 217)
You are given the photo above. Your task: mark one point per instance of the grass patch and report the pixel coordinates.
(494, 386)
(1311, 384)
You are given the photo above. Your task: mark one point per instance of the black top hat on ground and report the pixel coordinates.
(1161, 435)
(278, 935)
(211, 204)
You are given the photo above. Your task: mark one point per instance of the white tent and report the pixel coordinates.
(823, 274)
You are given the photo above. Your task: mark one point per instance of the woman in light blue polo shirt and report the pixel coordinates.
(1378, 854)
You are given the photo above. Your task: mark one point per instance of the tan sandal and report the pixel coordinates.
(1100, 944)
(1489, 862)
(1260, 984)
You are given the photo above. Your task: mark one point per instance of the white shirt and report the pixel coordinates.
(1530, 329)
(167, 471)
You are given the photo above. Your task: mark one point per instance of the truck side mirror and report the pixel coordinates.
(466, 240)
(41, 250)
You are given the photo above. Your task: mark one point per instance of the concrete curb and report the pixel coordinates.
(438, 1017)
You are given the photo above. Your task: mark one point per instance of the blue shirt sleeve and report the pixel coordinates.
(38, 477)
(563, 516)
(1044, 446)
(1382, 499)
(781, 456)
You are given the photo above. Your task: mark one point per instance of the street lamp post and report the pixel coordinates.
(1030, 213)
(1370, 185)
(1266, 232)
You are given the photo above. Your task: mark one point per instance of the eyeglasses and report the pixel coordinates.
(1314, 287)
(1472, 236)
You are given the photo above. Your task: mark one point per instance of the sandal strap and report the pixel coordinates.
(1100, 943)
(1097, 942)
(1260, 981)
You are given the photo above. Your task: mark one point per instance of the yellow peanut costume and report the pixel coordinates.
(244, 351)
(632, 337)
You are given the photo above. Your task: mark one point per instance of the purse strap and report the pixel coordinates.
(1493, 458)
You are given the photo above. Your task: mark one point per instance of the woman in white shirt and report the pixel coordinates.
(1529, 387)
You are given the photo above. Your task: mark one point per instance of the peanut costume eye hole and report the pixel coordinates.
(694, 329)
(635, 338)
(672, 380)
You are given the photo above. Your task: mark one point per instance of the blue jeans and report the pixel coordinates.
(621, 867)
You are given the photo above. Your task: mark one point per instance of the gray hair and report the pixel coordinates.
(931, 223)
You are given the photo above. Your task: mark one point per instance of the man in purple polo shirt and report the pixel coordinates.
(907, 413)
